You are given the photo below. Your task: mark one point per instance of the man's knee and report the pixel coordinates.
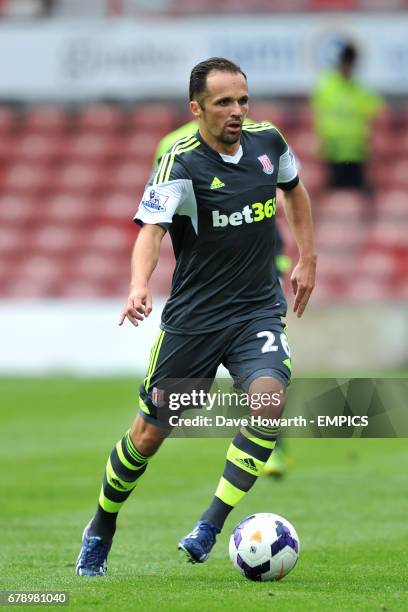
(146, 437)
(267, 397)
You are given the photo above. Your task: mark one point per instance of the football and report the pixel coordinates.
(264, 546)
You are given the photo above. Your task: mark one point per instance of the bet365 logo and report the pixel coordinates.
(249, 214)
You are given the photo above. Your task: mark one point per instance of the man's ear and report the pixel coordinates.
(195, 108)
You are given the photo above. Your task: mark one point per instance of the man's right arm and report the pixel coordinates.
(145, 256)
(157, 207)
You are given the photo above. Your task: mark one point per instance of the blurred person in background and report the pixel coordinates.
(343, 115)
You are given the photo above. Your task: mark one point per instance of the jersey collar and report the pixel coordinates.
(228, 159)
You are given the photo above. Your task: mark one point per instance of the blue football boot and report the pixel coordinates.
(93, 555)
(198, 544)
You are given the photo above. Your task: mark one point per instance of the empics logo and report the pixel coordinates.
(156, 202)
(249, 214)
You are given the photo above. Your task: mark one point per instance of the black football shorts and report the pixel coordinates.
(249, 349)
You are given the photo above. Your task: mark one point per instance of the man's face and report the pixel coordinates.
(222, 109)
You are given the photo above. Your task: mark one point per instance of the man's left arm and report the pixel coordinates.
(298, 214)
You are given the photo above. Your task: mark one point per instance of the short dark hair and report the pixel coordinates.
(198, 76)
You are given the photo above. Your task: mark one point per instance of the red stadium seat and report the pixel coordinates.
(108, 239)
(127, 176)
(347, 205)
(140, 146)
(6, 145)
(26, 177)
(156, 118)
(56, 239)
(386, 120)
(12, 241)
(90, 146)
(335, 236)
(386, 144)
(78, 177)
(313, 174)
(378, 265)
(390, 175)
(39, 269)
(304, 145)
(27, 287)
(392, 205)
(399, 173)
(79, 288)
(15, 209)
(403, 141)
(100, 117)
(67, 208)
(116, 206)
(304, 115)
(34, 147)
(332, 5)
(335, 265)
(387, 233)
(98, 267)
(8, 120)
(367, 290)
(401, 267)
(327, 290)
(269, 111)
(47, 119)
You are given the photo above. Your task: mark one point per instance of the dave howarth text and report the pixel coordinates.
(222, 421)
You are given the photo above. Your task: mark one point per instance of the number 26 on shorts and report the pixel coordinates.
(269, 345)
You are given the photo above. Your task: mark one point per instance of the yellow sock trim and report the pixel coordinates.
(107, 504)
(123, 459)
(265, 443)
(227, 493)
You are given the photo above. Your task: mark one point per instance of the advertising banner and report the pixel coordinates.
(136, 59)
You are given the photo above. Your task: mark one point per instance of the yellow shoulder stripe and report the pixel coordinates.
(181, 146)
(261, 127)
(258, 127)
(165, 159)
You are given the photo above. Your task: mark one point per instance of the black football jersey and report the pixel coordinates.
(220, 213)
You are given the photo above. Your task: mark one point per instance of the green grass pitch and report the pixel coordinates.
(346, 498)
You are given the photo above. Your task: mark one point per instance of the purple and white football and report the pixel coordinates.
(264, 546)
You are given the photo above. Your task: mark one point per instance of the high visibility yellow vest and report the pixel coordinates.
(343, 111)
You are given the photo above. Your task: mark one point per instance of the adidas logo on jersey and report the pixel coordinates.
(216, 183)
(249, 214)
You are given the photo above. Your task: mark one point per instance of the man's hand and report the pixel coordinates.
(303, 282)
(138, 306)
